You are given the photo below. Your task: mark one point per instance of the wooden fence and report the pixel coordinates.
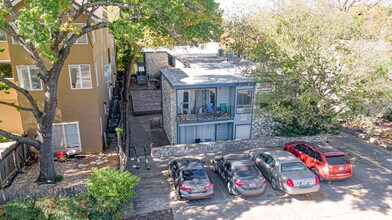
(12, 160)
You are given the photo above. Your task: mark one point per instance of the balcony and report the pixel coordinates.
(205, 113)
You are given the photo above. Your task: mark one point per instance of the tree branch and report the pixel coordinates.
(36, 111)
(20, 139)
(16, 106)
(19, 38)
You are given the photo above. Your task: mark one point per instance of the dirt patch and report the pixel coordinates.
(74, 171)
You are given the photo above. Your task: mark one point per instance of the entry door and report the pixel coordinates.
(242, 131)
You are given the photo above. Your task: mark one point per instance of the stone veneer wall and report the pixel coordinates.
(261, 126)
(229, 146)
(169, 111)
(154, 62)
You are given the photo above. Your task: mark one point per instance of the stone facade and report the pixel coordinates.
(154, 62)
(262, 126)
(169, 111)
(230, 146)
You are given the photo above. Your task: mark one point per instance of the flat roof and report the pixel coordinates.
(202, 78)
(207, 69)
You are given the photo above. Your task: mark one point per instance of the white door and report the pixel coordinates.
(242, 131)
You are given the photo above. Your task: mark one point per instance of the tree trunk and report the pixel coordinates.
(47, 172)
(45, 124)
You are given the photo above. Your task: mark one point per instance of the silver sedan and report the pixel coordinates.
(285, 171)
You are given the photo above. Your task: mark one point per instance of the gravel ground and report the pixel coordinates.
(74, 171)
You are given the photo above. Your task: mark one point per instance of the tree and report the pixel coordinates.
(46, 30)
(183, 22)
(322, 72)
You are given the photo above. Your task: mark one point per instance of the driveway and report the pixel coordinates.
(367, 195)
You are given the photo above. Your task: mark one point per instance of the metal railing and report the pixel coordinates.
(204, 113)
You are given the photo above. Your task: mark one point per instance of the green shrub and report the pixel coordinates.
(108, 188)
(19, 209)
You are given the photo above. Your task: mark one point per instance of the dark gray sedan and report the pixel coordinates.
(240, 175)
(285, 171)
(190, 179)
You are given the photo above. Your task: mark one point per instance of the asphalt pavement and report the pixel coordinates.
(367, 195)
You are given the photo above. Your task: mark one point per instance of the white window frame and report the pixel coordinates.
(29, 76)
(80, 76)
(100, 125)
(77, 41)
(64, 135)
(110, 77)
(96, 73)
(93, 37)
(5, 34)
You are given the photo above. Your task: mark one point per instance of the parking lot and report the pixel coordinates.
(367, 195)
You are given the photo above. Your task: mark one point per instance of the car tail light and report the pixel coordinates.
(317, 180)
(290, 183)
(262, 181)
(238, 183)
(209, 186)
(182, 187)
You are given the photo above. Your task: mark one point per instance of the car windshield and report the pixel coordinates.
(246, 170)
(337, 160)
(194, 174)
(287, 167)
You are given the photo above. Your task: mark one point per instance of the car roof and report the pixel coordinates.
(238, 163)
(283, 156)
(326, 150)
(187, 163)
(235, 157)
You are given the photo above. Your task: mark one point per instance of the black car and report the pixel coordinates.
(191, 181)
(240, 175)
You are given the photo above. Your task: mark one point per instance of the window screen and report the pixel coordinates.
(244, 101)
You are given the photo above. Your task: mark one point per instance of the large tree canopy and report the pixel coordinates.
(179, 22)
(323, 64)
(47, 29)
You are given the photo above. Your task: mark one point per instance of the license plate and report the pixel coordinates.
(341, 168)
(199, 189)
(252, 184)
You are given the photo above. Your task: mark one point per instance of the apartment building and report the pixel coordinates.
(84, 89)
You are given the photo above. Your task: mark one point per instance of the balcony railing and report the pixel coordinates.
(205, 113)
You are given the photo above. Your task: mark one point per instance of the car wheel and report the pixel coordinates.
(274, 184)
(229, 189)
(315, 171)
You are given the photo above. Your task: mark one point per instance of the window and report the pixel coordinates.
(242, 131)
(96, 73)
(5, 70)
(3, 36)
(244, 101)
(107, 72)
(82, 39)
(28, 77)
(66, 136)
(80, 76)
(93, 36)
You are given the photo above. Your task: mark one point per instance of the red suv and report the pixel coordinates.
(324, 163)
